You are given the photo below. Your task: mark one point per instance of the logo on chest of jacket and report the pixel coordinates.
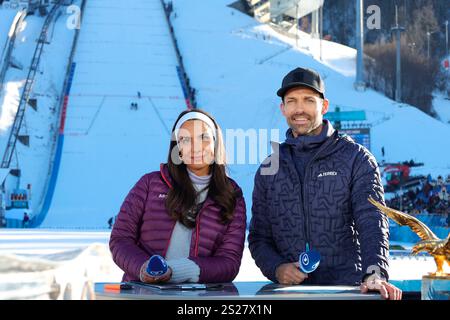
(326, 174)
(162, 195)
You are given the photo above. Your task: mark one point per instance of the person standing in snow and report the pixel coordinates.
(317, 199)
(189, 212)
(25, 220)
(110, 222)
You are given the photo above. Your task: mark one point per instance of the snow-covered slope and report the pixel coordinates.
(236, 64)
(40, 124)
(22, 54)
(6, 19)
(441, 105)
(123, 48)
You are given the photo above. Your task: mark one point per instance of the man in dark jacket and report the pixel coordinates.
(317, 199)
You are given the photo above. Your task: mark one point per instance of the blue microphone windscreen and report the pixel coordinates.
(157, 266)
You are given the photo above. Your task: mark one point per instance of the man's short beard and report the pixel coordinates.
(309, 132)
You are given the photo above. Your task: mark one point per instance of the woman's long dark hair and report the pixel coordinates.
(182, 196)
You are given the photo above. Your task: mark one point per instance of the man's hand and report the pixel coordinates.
(289, 273)
(145, 277)
(388, 291)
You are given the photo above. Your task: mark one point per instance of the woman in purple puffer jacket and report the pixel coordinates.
(190, 212)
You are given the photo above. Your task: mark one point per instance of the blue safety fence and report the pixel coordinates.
(52, 184)
(37, 220)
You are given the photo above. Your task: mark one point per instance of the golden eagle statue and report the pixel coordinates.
(438, 248)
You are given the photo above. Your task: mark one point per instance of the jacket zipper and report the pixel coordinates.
(197, 235)
(302, 198)
(307, 226)
(197, 232)
(197, 226)
(161, 166)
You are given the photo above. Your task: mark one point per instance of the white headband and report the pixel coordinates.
(198, 116)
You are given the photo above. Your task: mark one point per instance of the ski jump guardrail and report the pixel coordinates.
(5, 59)
(58, 141)
(53, 171)
(188, 92)
(12, 140)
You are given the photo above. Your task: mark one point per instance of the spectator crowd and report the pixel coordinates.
(430, 197)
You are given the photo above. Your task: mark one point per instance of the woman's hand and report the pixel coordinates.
(145, 277)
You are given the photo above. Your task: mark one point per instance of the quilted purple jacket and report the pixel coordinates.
(144, 228)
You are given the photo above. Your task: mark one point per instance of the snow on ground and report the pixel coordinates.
(441, 105)
(33, 261)
(14, 79)
(108, 146)
(6, 19)
(44, 243)
(47, 241)
(39, 124)
(336, 56)
(42, 124)
(11, 95)
(236, 64)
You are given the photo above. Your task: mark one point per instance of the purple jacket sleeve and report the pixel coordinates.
(224, 265)
(124, 236)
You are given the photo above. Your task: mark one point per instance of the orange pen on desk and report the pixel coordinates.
(117, 286)
(112, 287)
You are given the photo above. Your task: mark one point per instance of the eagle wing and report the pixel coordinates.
(405, 219)
(447, 244)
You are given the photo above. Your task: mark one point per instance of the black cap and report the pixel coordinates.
(301, 77)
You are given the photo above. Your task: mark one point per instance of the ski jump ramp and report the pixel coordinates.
(123, 49)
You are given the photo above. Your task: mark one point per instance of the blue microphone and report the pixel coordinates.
(157, 266)
(309, 260)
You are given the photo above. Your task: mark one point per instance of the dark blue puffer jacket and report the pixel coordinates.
(330, 211)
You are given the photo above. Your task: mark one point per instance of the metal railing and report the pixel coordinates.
(53, 167)
(12, 140)
(6, 55)
(187, 90)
